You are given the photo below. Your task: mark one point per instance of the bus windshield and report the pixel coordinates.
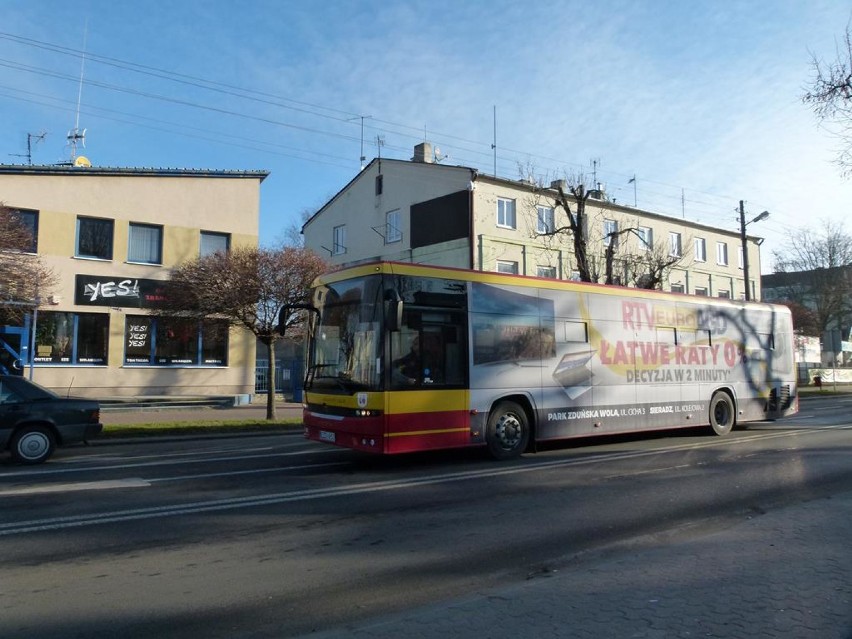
(345, 352)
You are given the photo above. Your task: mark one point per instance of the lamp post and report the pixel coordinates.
(743, 225)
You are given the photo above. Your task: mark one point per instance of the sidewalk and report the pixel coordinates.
(786, 573)
(283, 410)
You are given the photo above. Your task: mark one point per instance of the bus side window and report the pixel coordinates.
(576, 332)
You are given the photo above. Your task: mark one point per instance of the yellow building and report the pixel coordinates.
(430, 213)
(111, 236)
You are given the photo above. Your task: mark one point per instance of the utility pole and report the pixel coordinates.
(743, 225)
(745, 250)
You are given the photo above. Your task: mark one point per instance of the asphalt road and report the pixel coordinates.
(274, 536)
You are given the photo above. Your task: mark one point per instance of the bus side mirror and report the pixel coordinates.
(393, 311)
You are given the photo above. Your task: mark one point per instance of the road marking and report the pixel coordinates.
(254, 501)
(109, 484)
(164, 462)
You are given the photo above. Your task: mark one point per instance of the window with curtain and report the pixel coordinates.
(214, 243)
(393, 233)
(145, 244)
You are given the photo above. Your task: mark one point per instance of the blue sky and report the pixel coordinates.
(699, 100)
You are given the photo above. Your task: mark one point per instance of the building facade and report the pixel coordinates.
(425, 212)
(111, 236)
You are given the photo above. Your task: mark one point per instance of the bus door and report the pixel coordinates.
(429, 404)
(428, 350)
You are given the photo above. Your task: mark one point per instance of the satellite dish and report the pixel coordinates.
(82, 161)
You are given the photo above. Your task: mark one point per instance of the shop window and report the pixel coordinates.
(71, 338)
(159, 341)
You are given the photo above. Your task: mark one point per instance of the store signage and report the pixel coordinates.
(103, 290)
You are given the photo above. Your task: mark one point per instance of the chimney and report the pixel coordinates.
(423, 153)
(555, 184)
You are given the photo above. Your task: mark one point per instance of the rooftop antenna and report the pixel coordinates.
(76, 135)
(363, 157)
(494, 144)
(29, 154)
(595, 163)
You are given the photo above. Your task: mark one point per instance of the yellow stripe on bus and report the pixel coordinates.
(427, 401)
(413, 401)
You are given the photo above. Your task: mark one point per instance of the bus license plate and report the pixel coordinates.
(326, 436)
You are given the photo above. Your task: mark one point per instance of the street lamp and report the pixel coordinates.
(743, 225)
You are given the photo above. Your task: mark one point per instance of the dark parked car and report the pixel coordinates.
(34, 420)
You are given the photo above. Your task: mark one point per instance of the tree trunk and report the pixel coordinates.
(270, 372)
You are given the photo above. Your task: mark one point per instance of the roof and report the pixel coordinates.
(524, 184)
(64, 169)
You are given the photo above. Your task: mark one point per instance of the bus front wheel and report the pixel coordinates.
(508, 431)
(722, 413)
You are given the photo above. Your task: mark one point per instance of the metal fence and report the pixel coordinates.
(289, 374)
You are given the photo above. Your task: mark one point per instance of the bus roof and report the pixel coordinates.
(529, 281)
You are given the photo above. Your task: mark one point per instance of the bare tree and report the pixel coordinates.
(248, 287)
(819, 264)
(830, 94)
(570, 197)
(24, 278)
(650, 269)
(293, 231)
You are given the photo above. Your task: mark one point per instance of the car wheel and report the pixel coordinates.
(508, 431)
(33, 444)
(722, 414)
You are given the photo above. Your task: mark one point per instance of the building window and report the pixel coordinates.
(677, 288)
(145, 244)
(94, 238)
(214, 243)
(28, 219)
(339, 240)
(722, 253)
(380, 184)
(575, 276)
(506, 213)
(393, 233)
(504, 266)
(159, 341)
(544, 219)
(610, 227)
(701, 290)
(546, 271)
(700, 249)
(675, 246)
(71, 338)
(725, 294)
(646, 238)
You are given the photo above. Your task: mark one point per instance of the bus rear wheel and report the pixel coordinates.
(508, 431)
(722, 413)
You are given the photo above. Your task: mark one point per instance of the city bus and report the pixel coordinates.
(408, 357)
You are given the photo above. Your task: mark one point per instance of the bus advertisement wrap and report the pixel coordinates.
(541, 359)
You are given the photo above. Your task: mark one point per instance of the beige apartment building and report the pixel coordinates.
(111, 236)
(426, 212)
